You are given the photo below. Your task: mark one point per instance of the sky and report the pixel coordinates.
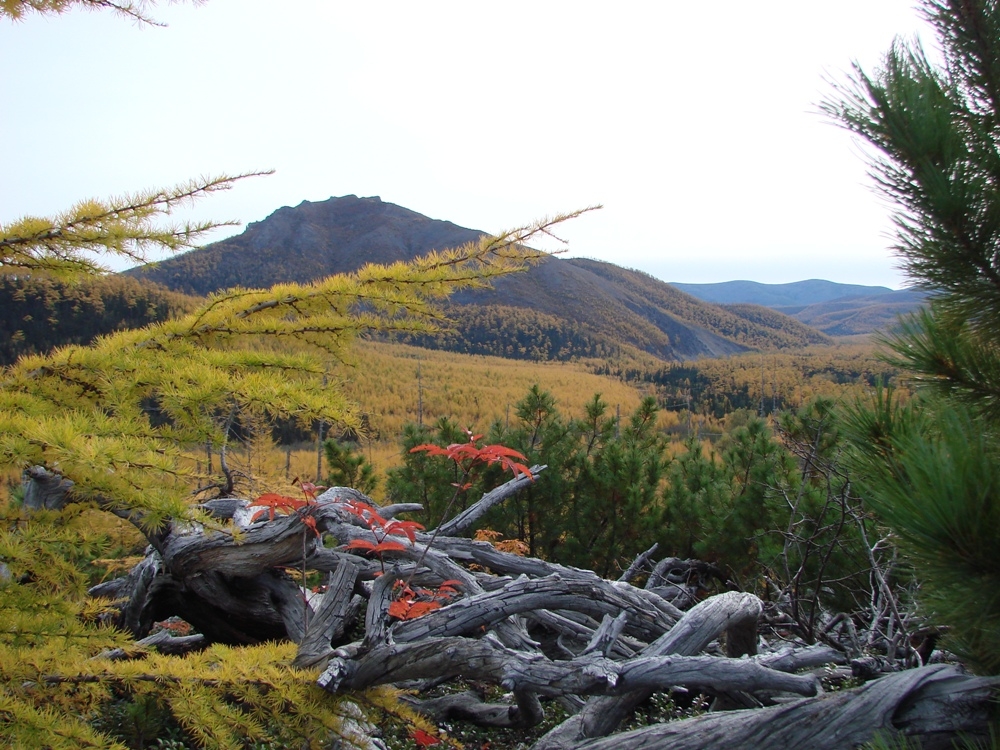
(695, 125)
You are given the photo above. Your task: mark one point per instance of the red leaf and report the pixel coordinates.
(458, 451)
(517, 469)
(273, 501)
(310, 490)
(399, 609)
(365, 512)
(388, 547)
(488, 454)
(408, 609)
(423, 739)
(497, 451)
(360, 544)
(445, 591)
(311, 523)
(404, 528)
(405, 592)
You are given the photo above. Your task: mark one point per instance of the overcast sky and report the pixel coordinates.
(695, 124)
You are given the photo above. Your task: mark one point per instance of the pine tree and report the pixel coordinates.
(617, 508)
(930, 468)
(538, 516)
(348, 467)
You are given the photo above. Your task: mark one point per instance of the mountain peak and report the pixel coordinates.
(562, 308)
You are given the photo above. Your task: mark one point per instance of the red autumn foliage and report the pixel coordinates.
(424, 739)
(410, 604)
(381, 529)
(285, 505)
(378, 549)
(405, 609)
(469, 453)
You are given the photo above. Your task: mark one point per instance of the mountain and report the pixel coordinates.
(560, 309)
(835, 309)
(852, 315)
(307, 242)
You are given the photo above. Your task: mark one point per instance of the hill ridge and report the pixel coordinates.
(594, 303)
(833, 308)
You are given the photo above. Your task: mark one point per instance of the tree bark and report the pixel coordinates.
(933, 704)
(692, 633)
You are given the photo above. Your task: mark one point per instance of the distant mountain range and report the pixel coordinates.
(835, 309)
(778, 295)
(560, 309)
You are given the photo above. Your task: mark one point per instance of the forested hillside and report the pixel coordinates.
(854, 315)
(38, 313)
(767, 383)
(750, 326)
(516, 333)
(306, 243)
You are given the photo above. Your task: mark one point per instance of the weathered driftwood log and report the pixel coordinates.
(232, 591)
(466, 706)
(337, 609)
(933, 703)
(692, 633)
(533, 627)
(578, 594)
(164, 642)
(473, 513)
(488, 660)
(424, 648)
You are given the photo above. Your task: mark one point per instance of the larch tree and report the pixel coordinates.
(932, 469)
(108, 430)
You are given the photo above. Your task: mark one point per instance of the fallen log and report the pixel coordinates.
(593, 674)
(933, 704)
(534, 628)
(692, 633)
